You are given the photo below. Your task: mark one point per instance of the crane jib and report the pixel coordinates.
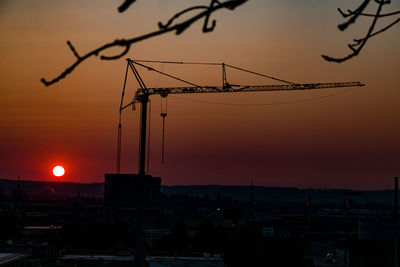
(164, 91)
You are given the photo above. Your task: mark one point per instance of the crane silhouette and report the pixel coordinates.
(143, 94)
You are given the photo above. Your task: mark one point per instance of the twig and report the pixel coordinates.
(354, 15)
(125, 5)
(359, 44)
(381, 15)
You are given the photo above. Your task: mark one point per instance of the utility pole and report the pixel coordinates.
(19, 191)
(396, 234)
(252, 201)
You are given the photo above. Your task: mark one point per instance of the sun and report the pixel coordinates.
(58, 171)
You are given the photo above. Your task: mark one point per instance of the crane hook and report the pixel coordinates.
(164, 102)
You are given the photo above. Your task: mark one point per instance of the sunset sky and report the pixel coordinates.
(350, 139)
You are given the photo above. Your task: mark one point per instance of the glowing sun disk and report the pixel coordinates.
(58, 171)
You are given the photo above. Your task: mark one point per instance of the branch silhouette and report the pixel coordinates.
(206, 11)
(125, 5)
(353, 15)
(126, 44)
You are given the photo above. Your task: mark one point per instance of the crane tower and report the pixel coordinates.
(142, 96)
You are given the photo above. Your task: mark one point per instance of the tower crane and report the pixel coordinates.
(143, 94)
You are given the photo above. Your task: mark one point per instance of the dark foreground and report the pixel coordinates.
(64, 224)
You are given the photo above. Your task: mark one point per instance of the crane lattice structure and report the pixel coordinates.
(142, 96)
(143, 93)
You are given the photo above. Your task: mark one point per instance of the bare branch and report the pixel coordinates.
(382, 15)
(168, 27)
(385, 28)
(125, 5)
(127, 47)
(359, 43)
(73, 49)
(205, 26)
(350, 13)
(354, 15)
(177, 15)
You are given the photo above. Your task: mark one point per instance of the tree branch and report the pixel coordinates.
(359, 44)
(381, 15)
(353, 15)
(177, 15)
(125, 5)
(178, 28)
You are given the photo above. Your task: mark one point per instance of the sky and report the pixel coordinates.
(334, 138)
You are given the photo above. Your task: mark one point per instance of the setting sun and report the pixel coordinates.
(58, 171)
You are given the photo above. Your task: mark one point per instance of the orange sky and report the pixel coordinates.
(349, 140)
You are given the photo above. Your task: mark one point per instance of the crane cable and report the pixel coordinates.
(178, 62)
(120, 123)
(119, 144)
(163, 73)
(159, 76)
(163, 115)
(259, 74)
(148, 139)
(202, 63)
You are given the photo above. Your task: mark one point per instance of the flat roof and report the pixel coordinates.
(185, 258)
(97, 258)
(6, 258)
(51, 227)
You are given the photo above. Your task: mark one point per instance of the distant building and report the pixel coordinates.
(207, 261)
(268, 231)
(121, 190)
(95, 258)
(376, 229)
(152, 236)
(13, 258)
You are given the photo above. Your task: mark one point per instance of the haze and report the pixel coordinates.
(348, 140)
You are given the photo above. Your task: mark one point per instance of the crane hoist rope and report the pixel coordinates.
(164, 104)
(120, 124)
(148, 139)
(143, 93)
